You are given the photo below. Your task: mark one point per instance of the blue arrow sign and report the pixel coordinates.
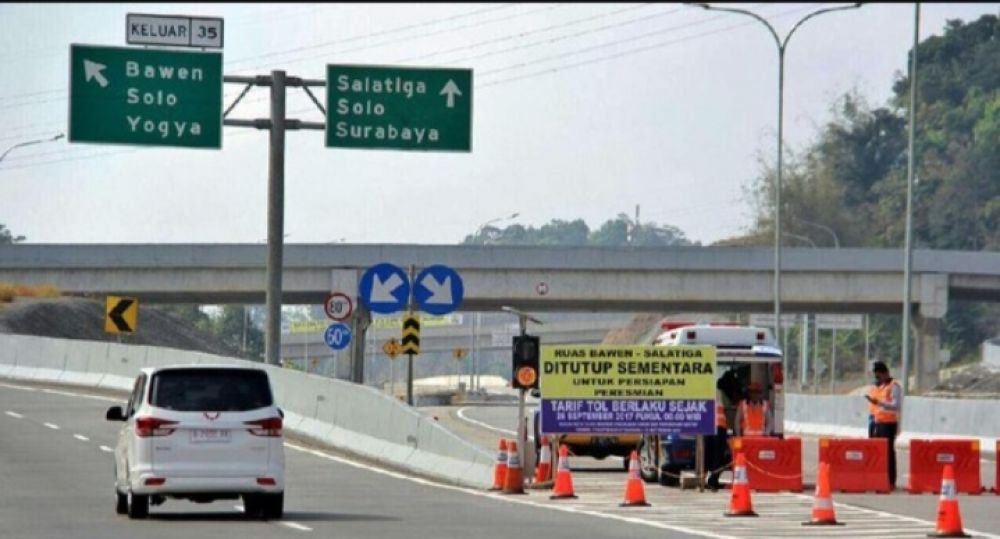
(337, 336)
(438, 290)
(384, 288)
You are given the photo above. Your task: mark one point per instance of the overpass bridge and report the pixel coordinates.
(703, 279)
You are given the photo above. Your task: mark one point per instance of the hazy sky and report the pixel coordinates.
(580, 110)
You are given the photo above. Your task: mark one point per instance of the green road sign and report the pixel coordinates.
(151, 97)
(398, 108)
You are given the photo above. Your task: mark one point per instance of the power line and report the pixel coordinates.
(613, 56)
(525, 34)
(373, 34)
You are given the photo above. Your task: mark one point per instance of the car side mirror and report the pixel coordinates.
(115, 413)
(281, 413)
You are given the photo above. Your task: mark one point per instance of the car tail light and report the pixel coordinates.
(777, 374)
(154, 481)
(266, 481)
(153, 426)
(265, 427)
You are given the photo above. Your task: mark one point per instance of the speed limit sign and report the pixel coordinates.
(338, 306)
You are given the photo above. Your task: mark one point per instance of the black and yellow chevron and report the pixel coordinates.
(411, 335)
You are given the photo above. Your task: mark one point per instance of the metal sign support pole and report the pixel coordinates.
(409, 362)
(277, 124)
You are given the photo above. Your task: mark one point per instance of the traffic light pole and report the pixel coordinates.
(527, 457)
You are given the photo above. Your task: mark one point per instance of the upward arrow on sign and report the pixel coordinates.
(450, 90)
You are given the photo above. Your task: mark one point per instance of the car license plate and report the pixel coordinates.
(210, 436)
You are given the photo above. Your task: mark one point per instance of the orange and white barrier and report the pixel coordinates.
(928, 458)
(856, 464)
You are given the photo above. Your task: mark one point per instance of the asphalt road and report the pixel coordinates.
(56, 477)
(886, 515)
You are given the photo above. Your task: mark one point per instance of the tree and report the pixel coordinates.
(620, 231)
(7, 237)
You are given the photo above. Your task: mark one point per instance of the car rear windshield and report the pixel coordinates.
(210, 390)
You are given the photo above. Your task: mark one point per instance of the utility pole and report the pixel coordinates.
(908, 241)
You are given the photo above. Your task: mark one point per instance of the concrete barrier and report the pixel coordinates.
(352, 418)
(843, 415)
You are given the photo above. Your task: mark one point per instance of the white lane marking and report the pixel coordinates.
(461, 415)
(15, 415)
(106, 449)
(81, 437)
(65, 393)
(51, 426)
(486, 494)
(285, 523)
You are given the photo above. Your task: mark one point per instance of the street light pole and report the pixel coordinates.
(830, 231)
(908, 241)
(782, 44)
(29, 143)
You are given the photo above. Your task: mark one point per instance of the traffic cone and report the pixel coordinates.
(544, 468)
(635, 490)
(949, 520)
(823, 513)
(740, 504)
(513, 481)
(564, 479)
(500, 469)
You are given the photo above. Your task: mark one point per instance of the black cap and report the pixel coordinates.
(880, 366)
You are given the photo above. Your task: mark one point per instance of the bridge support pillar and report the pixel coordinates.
(362, 319)
(933, 307)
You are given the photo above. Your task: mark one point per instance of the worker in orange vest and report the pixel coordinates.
(753, 416)
(887, 399)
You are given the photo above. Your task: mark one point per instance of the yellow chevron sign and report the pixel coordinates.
(458, 353)
(411, 335)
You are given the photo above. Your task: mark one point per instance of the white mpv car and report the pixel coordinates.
(202, 433)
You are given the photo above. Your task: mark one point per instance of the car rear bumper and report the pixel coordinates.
(194, 485)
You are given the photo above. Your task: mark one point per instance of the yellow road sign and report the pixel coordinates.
(459, 353)
(411, 335)
(121, 315)
(391, 348)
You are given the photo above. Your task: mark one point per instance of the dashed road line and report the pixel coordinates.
(81, 437)
(295, 526)
(52, 426)
(15, 415)
(106, 449)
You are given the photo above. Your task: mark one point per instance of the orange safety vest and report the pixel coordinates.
(752, 423)
(874, 394)
(883, 393)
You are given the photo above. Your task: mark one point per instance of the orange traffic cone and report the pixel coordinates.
(564, 479)
(635, 490)
(500, 469)
(513, 481)
(544, 468)
(949, 520)
(740, 504)
(823, 513)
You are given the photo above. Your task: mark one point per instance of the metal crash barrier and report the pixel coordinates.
(773, 464)
(857, 464)
(928, 458)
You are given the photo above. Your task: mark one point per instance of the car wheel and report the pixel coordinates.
(273, 505)
(253, 506)
(647, 462)
(138, 505)
(121, 503)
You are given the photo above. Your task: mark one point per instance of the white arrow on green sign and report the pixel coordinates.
(122, 95)
(398, 108)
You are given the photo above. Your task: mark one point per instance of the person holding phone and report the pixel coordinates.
(886, 400)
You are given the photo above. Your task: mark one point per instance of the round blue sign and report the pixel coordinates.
(384, 288)
(337, 336)
(438, 290)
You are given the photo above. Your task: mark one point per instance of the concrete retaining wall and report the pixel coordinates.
(842, 415)
(346, 416)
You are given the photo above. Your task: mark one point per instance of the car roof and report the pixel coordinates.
(152, 370)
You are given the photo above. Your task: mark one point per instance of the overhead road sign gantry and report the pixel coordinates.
(399, 108)
(120, 95)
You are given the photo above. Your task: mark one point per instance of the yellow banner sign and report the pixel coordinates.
(628, 372)
(396, 322)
